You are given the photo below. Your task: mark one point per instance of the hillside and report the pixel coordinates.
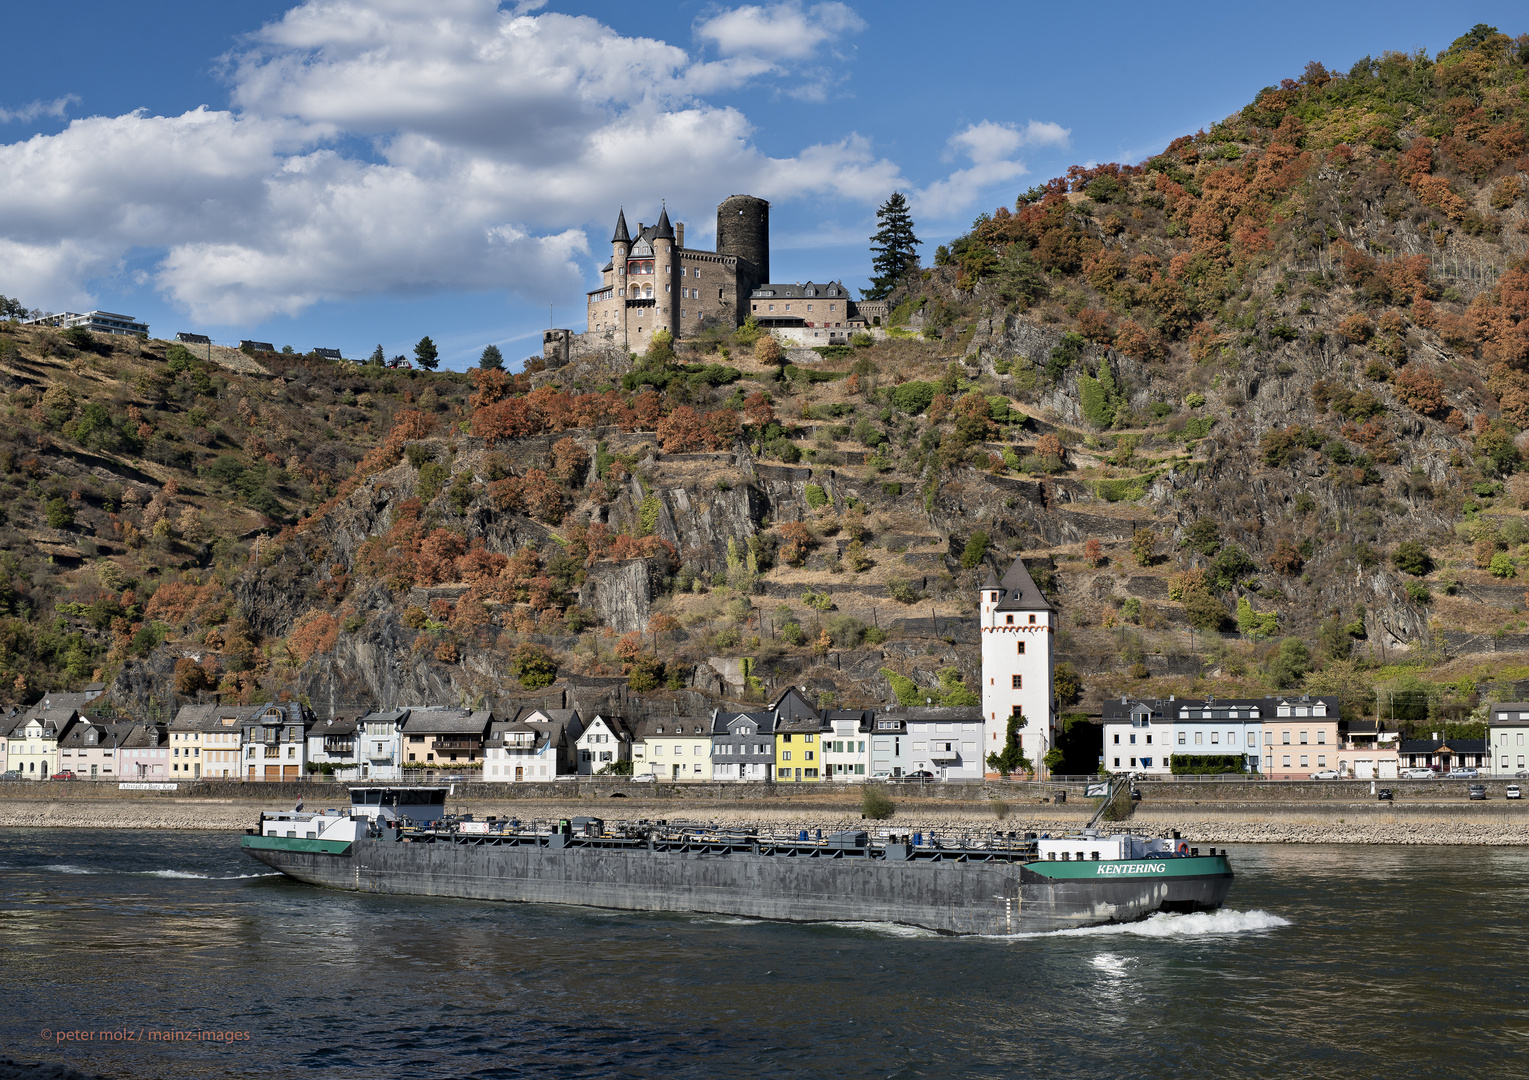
(1253, 411)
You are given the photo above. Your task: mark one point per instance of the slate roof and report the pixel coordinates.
(339, 725)
(210, 717)
(1500, 711)
(663, 230)
(1020, 593)
(1433, 746)
(435, 721)
(831, 290)
(673, 727)
(621, 235)
(944, 713)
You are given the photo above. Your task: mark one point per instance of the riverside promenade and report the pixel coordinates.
(1424, 812)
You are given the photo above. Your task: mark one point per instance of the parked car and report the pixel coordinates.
(1512, 792)
(66, 774)
(643, 778)
(11, 774)
(1463, 774)
(1478, 792)
(1325, 774)
(1419, 774)
(921, 774)
(1384, 795)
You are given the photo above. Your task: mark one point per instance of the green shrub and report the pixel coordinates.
(913, 397)
(976, 550)
(903, 592)
(1502, 566)
(1205, 764)
(875, 803)
(432, 477)
(793, 634)
(1411, 557)
(816, 497)
(647, 515)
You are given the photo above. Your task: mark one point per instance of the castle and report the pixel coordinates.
(654, 282)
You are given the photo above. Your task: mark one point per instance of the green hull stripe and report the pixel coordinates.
(297, 843)
(1133, 870)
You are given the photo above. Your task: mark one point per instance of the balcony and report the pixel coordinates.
(339, 746)
(459, 744)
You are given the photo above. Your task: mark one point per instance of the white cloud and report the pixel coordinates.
(25, 114)
(991, 148)
(786, 31)
(491, 132)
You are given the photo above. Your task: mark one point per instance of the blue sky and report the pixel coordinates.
(346, 173)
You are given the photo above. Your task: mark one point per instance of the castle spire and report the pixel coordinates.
(663, 230)
(622, 236)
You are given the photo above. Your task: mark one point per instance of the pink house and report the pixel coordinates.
(145, 754)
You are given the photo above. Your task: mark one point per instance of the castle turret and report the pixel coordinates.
(665, 275)
(743, 230)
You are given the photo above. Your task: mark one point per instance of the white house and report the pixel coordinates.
(379, 744)
(945, 742)
(333, 742)
(1018, 645)
(846, 745)
(538, 745)
(605, 742)
(1507, 727)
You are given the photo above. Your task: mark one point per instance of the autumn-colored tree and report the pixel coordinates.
(544, 497)
(414, 424)
(313, 633)
(480, 564)
(436, 559)
(767, 351)
(1287, 558)
(1420, 389)
(649, 408)
(683, 431)
(1050, 450)
(663, 625)
(570, 461)
(758, 410)
(629, 647)
(1093, 551)
(724, 428)
(191, 677)
(1356, 329)
(796, 541)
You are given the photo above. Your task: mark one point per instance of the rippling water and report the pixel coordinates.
(1328, 962)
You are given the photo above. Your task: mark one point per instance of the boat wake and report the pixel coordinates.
(1167, 925)
(70, 868)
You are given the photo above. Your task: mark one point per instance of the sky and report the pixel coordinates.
(349, 173)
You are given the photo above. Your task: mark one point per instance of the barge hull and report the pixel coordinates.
(993, 898)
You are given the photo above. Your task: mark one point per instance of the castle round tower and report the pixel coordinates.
(743, 230)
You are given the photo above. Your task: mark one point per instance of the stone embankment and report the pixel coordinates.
(1409, 822)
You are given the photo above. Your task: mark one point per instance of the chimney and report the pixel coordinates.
(679, 234)
(1436, 737)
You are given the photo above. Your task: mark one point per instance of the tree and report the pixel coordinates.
(426, 355)
(11, 308)
(976, 549)
(378, 357)
(1412, 558)
(533, 665)
(1288, 666)
(1144, 546)
(1068, 687)
(767, 351)
(893, 248)
(1012, 759)
(492, 359)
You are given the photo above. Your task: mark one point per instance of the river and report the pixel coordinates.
(1329, 961)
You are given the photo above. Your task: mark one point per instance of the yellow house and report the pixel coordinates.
(204, 742)
(673, 748)
(798, 752)
(34, 742)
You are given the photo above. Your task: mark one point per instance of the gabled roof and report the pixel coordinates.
(793, 704)
(558, 716)
(617, 726)
(724, 721)
(674, 727)
(339, 725)
(1020, 592)
(438, 721)
(621, 235)
(798, 291)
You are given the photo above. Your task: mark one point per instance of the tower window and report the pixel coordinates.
(1010, 619)
(1021, 648)
(1032, 620)
(1018, 682)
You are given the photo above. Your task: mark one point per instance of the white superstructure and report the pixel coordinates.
(1018, 647)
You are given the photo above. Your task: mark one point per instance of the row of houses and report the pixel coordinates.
(790, 741)
(1293, 737)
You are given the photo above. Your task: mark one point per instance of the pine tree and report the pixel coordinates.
(378, 357)
(893, 248)
(492, 358)
(426, 355)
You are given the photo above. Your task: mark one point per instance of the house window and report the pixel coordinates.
(1303, 761)
(1133, 738)
(1321, 760)
(1303, 738)
(1197, 738)
(1181, 738)
(1287, 738)
(1286, 761)
(1117, 763)
(1133, 763)
(1117, 740)
(1018, 682)
(1321, 738)
(1215, 737)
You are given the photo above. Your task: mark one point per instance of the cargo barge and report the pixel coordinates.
(399, 840)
